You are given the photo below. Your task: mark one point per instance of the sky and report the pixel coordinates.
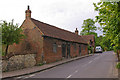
(65, 14)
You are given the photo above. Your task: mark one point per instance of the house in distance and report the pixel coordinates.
(48, 42)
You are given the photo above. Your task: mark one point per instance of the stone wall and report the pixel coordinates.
(19, 62)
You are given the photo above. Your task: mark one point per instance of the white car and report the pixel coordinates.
(98, 49)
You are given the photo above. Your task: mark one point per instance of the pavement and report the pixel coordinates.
(35, 69)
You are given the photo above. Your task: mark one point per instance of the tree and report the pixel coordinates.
(98, 41)
(109, 19)
(88, 27)
(10, 34)
(104, 42)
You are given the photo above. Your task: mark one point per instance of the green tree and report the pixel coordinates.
(109, 19)
(98, 41)
(10, 34)
(104, 42)
(88, 27)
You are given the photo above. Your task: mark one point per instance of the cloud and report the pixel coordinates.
(65, 14)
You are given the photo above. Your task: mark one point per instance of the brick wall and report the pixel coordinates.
(75, 52)
(50, 56)
(84, 49)
(74, 49)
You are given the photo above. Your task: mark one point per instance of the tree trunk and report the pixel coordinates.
(6, 51)
(118, 55)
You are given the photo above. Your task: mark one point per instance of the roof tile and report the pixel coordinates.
(55, 32)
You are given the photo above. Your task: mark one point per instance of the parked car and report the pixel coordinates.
(98, 49)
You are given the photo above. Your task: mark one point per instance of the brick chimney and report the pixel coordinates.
(28, 13)
(76, 31)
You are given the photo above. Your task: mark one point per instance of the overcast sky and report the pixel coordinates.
(65, 14)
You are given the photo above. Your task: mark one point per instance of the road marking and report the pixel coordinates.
(90, 62)
(95, 58)
(69, 76)
(76, 71)
(83, 66)
(72, 74)
(87, 63)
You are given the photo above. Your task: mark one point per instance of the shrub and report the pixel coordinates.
(40, 64)
(3, 54)
(118, 65)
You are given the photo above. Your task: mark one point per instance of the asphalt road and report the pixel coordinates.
(96, 66)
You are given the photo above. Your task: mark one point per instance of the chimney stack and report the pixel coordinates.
(28, 13)
(76, 31)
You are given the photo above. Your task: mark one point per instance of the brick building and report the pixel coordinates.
(91, 41)
(48, 42)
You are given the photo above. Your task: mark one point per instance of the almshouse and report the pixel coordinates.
(48, 42)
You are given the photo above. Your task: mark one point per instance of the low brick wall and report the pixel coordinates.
(18, 62)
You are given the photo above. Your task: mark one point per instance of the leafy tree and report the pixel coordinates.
(109, 19)
(105, 43)
(88, 27)
(10, 34)
(98, 41)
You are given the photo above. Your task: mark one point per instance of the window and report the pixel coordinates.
(75, 46)
(80, 49)
(84, 47)
(55, 48)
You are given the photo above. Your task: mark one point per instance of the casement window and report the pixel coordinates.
(75, 47)
(84, 47)
(55, 48)
(80, 49)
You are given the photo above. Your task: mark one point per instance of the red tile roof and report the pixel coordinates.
(55, 32)
(89, 37)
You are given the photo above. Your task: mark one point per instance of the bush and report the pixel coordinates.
(40, 64)
(118, 65)
(90, 48)
(3, 54)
